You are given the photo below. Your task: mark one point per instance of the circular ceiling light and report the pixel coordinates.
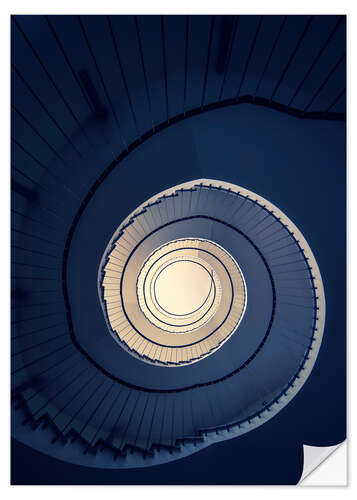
(183, 286)
(178, 291)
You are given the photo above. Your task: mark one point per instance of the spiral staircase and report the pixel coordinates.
(97, 379)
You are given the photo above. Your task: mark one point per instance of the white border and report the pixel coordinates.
(184, 6)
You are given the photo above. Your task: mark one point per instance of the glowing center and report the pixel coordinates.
(182, 287)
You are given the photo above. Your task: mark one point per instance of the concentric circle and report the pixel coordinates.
(190, 298)
(182, 287)
(178, 289)
(166, 289)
